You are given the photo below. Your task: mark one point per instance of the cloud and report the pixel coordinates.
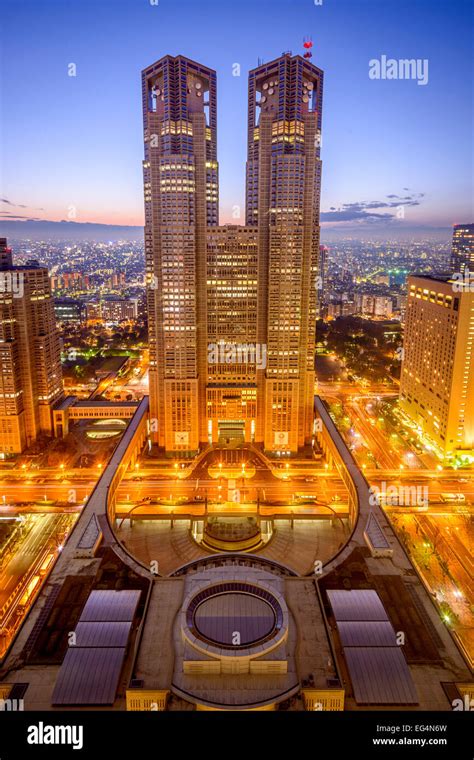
(351, 215)
(370, 211)
(10, 216)
(18, 205)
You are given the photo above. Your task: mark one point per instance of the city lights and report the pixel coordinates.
(237, 390)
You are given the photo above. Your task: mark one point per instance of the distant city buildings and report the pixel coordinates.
(251, 289)
(69, 310)
(82, 283)
(376, 306)
(322, 279)
(70, 281)
(112, 310)
(342, 308)
(462, 257)
(361, 304)
(437, 376)
(30, 361)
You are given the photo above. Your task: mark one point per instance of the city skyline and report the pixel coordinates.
(385, 175)
(236, 461)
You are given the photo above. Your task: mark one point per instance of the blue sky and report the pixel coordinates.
(77, 141)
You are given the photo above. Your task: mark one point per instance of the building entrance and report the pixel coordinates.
(231, 431)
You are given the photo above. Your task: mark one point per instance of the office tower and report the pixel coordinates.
(437, 378)
(233, 355)
(181, 201)
(253, 288)
(282, 202)
(462, 254)
(30, 360)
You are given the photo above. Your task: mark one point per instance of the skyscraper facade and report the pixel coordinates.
(30, 358)
(233, 354)
(437, 376)
(462, 255)
(232, 309)
(282, 202)
(181, 201)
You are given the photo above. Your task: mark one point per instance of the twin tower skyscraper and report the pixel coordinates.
(232, 308)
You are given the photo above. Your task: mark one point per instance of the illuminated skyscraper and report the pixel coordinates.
(181, 201)
(248, 292)
(232, 334)
(30, 359)
(283, 197)
(462, 256)
(437, 378)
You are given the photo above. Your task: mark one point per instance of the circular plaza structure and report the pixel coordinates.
(235, 618)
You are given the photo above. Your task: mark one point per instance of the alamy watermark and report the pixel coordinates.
(462, 281)
(401, 68)
(12, 282)
(401, 496)
(237, 353)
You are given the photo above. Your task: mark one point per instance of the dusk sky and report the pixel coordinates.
(77, 141)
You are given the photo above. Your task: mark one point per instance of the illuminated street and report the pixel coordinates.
(442, 547)
(26, 565)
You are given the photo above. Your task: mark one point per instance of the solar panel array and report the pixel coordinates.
(108, 606)
(91, 669)
(102, 634)
(377, 666)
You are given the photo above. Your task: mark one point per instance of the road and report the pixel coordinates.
(20, 574)
(442, 548)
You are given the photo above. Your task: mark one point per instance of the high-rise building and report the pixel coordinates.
(233, 354)
(437, 376)
(232, 309)
(282, 202)
(462, 252)
(30, 359)
(181, 201)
